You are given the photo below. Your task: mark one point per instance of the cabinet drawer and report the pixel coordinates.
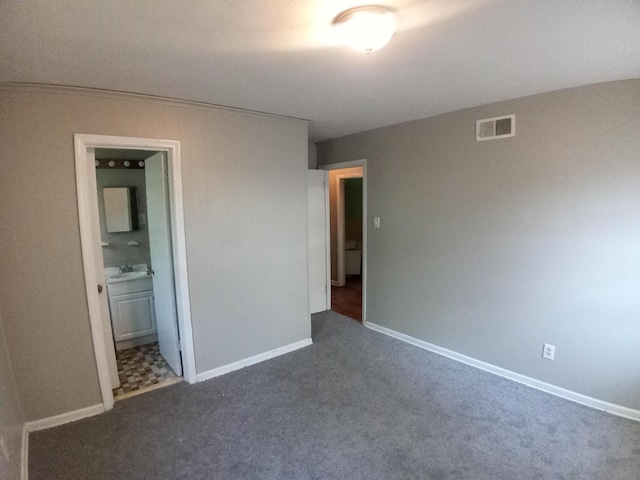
(132, 286)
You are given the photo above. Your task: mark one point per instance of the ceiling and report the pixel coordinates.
(282, 57)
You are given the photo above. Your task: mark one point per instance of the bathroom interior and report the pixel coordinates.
(128, 268)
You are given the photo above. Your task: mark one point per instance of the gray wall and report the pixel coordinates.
(245, 216)
(11, 416)
(492, 248)
(118, 252)
(312, 156)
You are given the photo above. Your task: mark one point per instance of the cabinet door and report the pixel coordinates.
(132, 315)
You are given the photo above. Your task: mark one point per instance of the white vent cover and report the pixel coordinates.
(496, 127)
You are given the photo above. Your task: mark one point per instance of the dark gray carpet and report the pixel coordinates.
(355, 405)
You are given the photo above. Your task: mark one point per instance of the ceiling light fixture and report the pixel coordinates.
(366, 28)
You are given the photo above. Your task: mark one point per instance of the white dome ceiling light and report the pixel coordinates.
(366, 28)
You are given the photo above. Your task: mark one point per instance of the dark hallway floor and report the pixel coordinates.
(347, 300)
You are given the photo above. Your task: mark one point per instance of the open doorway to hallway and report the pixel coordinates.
(346, 195)
(347, 300)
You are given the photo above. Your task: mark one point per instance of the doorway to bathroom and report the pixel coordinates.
(135, 238)
(132, 231)
(347, 185)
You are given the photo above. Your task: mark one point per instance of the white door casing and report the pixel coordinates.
(158, 221)
(90, 242)
(350, 164)
(319, 273)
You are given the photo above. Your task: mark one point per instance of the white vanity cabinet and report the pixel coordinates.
(132, 308)
(132, 315)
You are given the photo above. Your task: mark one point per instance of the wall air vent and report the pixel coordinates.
(496, 127)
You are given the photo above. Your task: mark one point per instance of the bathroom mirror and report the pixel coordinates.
(120, 209)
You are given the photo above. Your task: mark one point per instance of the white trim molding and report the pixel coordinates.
(57, 420)
(141, 97)
(508, 374)
(261, 357)
(24, 459)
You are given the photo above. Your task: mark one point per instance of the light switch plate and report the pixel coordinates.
(376, 222)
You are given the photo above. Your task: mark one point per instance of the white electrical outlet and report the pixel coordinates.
(548, 351)
(4, 448)
(376, 222)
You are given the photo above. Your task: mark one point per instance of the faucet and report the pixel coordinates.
(126, 268)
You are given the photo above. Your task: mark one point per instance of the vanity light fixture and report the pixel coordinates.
(127, 163)
(367, 28)
(141, 163)
(112, 163)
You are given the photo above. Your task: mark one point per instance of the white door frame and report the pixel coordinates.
(87, 199)
(340, 222)
(327, 236)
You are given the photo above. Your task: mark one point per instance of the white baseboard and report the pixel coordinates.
(335, 283)
(516, 377)
(24, 466)
(216, 372)
(68, 417)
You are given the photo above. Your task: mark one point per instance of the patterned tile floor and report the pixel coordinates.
(141, 368)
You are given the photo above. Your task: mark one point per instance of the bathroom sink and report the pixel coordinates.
(126, 276)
